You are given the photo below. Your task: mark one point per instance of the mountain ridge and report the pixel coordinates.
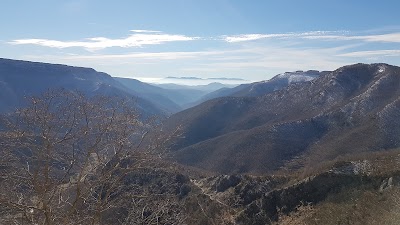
(266, 86)
(19, 78)
(292, 124)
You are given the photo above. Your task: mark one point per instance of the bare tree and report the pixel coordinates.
(64, 157)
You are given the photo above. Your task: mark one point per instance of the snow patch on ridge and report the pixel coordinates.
(296, 77)
(381, 69)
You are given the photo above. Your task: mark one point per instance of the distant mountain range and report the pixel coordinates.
(193, 80)
(19, 79)
(351, 110)
(174, 97)
(22, 78)
(206, 88)
(198, 78)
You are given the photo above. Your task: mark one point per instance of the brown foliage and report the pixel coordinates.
(64, 157)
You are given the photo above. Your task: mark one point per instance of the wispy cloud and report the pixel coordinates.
(239, 61)
(384, 38)
(149, 55)
(138, 39)
(386, 53)
(146, 31)
(252, 37)
(316, 35)
(392, 37)
(253, 55)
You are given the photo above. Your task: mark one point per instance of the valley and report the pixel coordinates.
(288, 150)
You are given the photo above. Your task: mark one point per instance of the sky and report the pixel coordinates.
(151, 39)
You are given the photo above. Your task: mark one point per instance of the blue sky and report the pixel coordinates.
(253, 40)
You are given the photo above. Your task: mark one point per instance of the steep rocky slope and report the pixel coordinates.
(350, 110)
(364, 190)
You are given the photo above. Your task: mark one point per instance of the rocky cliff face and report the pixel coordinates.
(281, 199)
